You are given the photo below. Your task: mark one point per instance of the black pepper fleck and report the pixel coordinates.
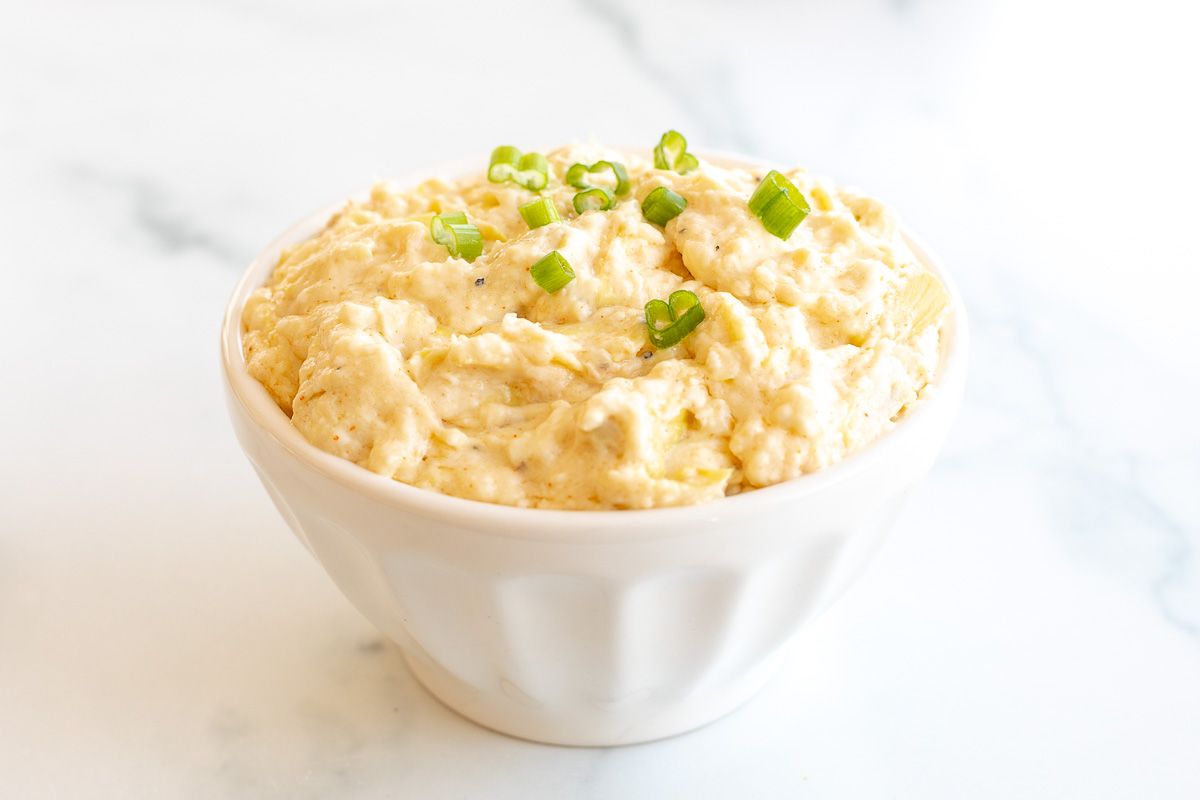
(718, 247)
(648, 354)
(479, 281)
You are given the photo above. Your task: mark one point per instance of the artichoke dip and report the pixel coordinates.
(594, 329)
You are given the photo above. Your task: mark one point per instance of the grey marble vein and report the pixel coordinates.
(706, 93)
(156, 213)
(1107, 495)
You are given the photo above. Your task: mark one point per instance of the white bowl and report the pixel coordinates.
(586, 627)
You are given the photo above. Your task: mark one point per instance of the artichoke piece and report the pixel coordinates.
(923, 299)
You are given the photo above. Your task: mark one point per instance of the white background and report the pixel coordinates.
(1032, 629)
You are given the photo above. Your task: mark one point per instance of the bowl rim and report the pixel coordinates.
(525, 522)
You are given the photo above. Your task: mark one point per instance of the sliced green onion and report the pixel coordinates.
(453, 232)
(667, 323)
(619, 174)
(594, 199)
(503, 163)
(658, 315)
(779, 204)
(577, 175)
(540, 212)
(670, 146)
(662, 205)
(552, 272)
(532, 171)
(671, 153)
(440, 220)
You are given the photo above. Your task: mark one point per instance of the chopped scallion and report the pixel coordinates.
(779, 204)
(530, 170)
(458, 236)
(671, 153)
(503, 163)
(577, 175)
(540, 212)
(552, 272)
(450, 217)
(667, 323)
(594, 199)
(533, 172)
(663, 205)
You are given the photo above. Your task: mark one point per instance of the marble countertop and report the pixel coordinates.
(1032, 628)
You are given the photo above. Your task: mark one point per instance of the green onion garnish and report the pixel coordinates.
(779, 204)
(540, 212)
(595, 199)
(577, 175)
(508, 164)
(662, 205)
(504, 163)
(532, 171)
(670, 146)
(453, 232)
(552, 272)
(671, 153)
(668, 323)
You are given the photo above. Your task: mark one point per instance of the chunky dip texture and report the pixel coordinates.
(471, 379)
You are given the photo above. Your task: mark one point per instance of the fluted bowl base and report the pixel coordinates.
(603, 725)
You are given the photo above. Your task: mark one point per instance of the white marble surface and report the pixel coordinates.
(1032, 629)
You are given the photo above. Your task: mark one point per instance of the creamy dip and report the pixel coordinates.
(472, 380)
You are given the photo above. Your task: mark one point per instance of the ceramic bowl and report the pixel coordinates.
(587, 627)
